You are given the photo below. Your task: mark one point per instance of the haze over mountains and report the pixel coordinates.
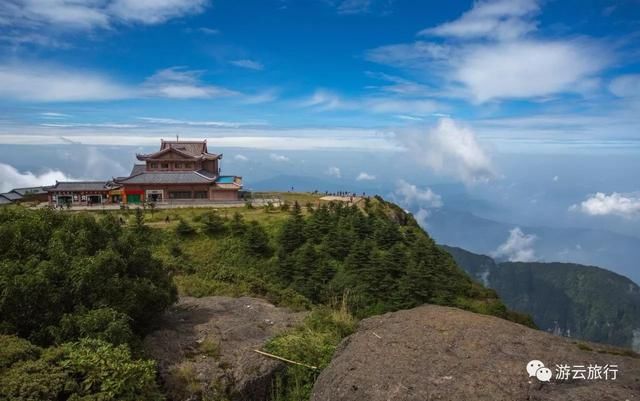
(578, 301)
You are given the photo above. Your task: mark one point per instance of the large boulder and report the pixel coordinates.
(205, 348)
(439, 353)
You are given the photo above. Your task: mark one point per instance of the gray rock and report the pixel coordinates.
(204, 347)
(439, 353)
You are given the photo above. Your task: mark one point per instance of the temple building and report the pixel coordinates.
(181, 171)
(82, 193)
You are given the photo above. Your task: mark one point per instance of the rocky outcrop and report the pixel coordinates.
(439, 353)
(204, 348)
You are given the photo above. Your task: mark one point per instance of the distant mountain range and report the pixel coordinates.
(617, 252)
(567, 299)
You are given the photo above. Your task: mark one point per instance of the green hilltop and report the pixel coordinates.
(79, 290)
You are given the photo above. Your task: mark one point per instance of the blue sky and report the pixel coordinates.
(530, 108)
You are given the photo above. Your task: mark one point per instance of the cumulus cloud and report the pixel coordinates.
(74, 14)
(451, 149)
(241, 158)
(363, 176)
(616, 204)
(518, 247)
(334, 172)
(11, 178)
(410, 195)
(422, 200)
(249, 64)
(278, 158)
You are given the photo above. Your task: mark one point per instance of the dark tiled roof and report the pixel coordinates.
(208, 174)
(12, 196)
(166, 177)
(81, 186)
(137, 169)
(5, 201)
(30, 191)
(192, 148)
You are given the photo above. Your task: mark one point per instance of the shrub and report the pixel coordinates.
(86, 370)
(184, 229)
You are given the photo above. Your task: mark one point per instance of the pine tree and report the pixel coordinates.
(213, 223)
(237, 225)
(256, 240)
(292, 234)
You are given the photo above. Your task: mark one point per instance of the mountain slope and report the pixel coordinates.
(569, 299)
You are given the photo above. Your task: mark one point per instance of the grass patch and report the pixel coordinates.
(210, 348)
(312, 343)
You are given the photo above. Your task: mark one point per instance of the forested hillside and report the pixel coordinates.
(579, 301)
(78, 291)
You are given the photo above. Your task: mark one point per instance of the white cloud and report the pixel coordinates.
(209, 31)
(179, 83)
(92, 14)
(87, 125)
(57, 84)
(249, 64)
(354, 6)
(527, 68)
(278, 158)
(324, 100)
(502, 19)
(10, 178)
(153, 11)
(221, 124)
(334, 172)
(616, 204)
(451, 149)
(410, 195)
(241, 158)
(626, 85)
(421, 217)
(54, 116)
(490, 53)
(556, 178)
(53, 84)
(363, 176)
(518, 247)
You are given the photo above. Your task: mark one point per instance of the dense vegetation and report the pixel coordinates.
(581, 301)
(78, 291)
(76, 295)
(373, 257)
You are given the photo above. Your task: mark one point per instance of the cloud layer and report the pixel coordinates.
(11, 178)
